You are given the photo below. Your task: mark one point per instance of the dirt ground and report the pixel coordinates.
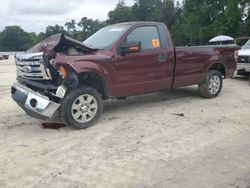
(138, 142)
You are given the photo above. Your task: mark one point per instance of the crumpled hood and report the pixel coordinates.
(51, 48)
(49, 45)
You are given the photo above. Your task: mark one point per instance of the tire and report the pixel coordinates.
(82, 107)
(212, 85)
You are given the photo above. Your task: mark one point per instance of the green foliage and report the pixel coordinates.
(14, 38)
(203, 19)
(51, 30)
(192, 23)
(71, 26)
(89, 26)
(121, 13)
(149, 10)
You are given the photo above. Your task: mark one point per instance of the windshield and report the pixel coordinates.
(106, 36)
(247, 45)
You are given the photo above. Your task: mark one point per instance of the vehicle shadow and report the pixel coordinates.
(242, 78)
(168, 97)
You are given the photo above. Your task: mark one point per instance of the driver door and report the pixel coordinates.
(145, 71)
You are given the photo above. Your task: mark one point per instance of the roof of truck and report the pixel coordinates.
(138, 23)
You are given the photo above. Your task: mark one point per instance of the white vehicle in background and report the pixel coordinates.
(4, 55)
(242, 57)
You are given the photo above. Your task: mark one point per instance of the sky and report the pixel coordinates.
(36, 15)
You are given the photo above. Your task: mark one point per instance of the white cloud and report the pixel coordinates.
(35, 15)
(41, 7)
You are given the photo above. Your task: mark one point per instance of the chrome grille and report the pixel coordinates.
(244, 59)
(32, 66)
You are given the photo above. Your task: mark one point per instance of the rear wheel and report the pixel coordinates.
(82, 107)
(212, 85)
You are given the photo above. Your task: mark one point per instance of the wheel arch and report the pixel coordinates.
(220, 67)
(95, 81)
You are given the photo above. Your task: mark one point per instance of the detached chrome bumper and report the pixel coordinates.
(34, 103)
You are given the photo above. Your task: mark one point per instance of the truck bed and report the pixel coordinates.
(193, 62)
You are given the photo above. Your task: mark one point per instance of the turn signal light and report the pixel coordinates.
(63, 72)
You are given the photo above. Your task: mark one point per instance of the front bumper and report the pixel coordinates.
(243, 66)
(34, 103)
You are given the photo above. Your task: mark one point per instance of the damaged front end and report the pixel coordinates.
(42, 83)
(33, 103)
(35, 90)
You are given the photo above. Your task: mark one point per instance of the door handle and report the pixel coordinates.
(162, 58)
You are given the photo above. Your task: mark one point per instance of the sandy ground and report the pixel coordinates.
(138, 142)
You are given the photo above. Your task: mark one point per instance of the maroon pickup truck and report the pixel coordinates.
(62, 76)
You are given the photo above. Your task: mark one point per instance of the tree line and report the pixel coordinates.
(193, 22)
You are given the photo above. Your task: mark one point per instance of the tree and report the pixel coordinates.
(148, 10)
(71, 26)
(14, 38)
(89, 27)
(41, 36)
(246, 23)
(121, 13)
(196, 19)
(192, 23)
(51, 30)
(203, 19)
(171, 13)
(33, 37)
(230, 19)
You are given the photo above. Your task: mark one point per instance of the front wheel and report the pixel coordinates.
(82, 107)
(212, 85)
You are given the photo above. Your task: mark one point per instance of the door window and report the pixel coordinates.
(148, 36)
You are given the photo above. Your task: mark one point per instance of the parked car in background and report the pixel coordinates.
(4, 56)
(242, 58)
(241, 41)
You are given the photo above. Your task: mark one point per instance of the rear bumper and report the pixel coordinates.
(33, 103)
(243, 66)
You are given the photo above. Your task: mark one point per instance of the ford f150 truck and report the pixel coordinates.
(63, 76)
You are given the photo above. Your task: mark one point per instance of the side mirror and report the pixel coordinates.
(130, 47)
